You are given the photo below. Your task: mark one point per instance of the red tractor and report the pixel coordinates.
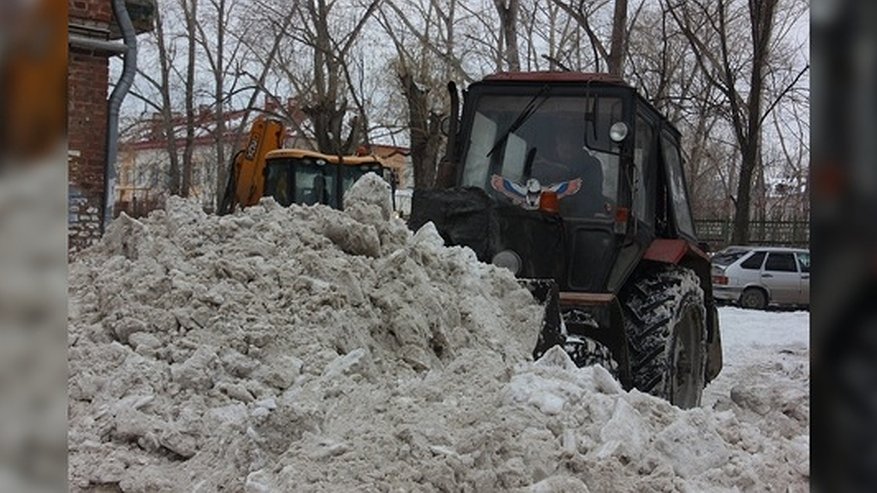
(574, 182)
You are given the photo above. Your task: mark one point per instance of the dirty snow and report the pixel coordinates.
(307, 349)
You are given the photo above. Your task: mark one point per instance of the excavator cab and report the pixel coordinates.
(292, 176)
(298, 176)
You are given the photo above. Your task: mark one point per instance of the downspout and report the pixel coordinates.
(129, 69)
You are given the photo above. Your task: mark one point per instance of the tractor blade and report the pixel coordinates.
(552, 332)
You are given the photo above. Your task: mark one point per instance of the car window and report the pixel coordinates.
(754, 262)
(728, 256)
(804, 261)
(781, 262)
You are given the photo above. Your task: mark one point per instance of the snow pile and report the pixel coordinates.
(307, 349)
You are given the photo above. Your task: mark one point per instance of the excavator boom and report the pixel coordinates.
(246, 178)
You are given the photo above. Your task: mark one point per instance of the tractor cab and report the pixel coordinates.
(574, 182)
(577, 165)
(298, 176)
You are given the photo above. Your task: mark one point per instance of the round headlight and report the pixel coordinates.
(618, 132)
(508, 259)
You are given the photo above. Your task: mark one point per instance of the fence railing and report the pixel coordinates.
(717, 232)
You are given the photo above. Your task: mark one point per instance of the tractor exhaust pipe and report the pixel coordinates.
(447, 171)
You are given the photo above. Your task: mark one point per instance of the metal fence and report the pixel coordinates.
(717, 232)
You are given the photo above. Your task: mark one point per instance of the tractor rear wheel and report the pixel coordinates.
(665, 325)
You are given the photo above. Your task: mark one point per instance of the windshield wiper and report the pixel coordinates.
(525, 113)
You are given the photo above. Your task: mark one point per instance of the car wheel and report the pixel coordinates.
(753, 298)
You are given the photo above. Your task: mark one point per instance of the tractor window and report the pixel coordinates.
(514, 158)
(676, 184)
(477, 163)
(642, 154)
(519, 140)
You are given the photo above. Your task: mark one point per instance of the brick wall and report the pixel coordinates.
(87, 93)
(99, 11)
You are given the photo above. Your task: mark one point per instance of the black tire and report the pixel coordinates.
(753, 298)
(584, 351)
(665, 325)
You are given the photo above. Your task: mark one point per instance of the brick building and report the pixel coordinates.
(93, 37)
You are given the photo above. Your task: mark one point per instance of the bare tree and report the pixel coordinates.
(583, 14)
(190, 12)
(425, 60)
(661, 66)
(164, 106)
(732, 44)
(508, 42)
(223, 50)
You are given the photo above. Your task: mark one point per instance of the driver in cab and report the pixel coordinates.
(567, 159)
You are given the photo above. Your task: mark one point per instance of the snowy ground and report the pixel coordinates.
(306, 349)
(756, 344)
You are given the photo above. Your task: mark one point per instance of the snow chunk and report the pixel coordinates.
(353, 363)
(427, 237)
(371, 189)
(624, 434)
(196, 372)
(691, 445)
(556, 357)
(559, 484)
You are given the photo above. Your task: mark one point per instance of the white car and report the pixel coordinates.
(756, 277)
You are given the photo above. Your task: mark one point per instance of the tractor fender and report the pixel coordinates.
(672, 251)
(681, 252)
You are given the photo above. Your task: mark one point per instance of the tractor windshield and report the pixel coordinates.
(562, 143)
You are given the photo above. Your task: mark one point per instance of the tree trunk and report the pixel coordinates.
(425, 132)
(188, 150)
(219, 110)
(761, 15)
(166, 112)
(619, 35)
(744, 193)
(508, 18)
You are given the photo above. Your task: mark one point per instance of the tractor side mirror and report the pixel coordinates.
(603, 128)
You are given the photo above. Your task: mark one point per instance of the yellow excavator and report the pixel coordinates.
(292, 176)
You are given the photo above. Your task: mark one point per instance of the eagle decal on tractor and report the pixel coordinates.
(529, 194)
